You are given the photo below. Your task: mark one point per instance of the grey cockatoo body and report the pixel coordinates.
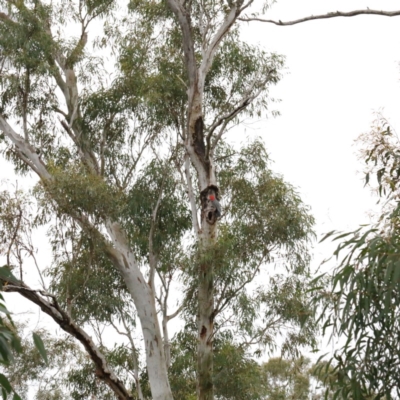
(215, 203)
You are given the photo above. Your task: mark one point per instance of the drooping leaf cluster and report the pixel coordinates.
(266, 219)
(58, 379)
(364, 308)
(86, 284)
(363, 303)
(9, 345)
(10, 342)
(238, 70)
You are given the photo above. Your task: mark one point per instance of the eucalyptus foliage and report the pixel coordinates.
(363, 305)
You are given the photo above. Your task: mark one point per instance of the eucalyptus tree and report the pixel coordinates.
(128, 148)
(363, 303)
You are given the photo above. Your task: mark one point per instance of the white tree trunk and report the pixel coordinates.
(143, 297)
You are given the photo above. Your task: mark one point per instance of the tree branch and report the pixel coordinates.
(25, 98)
(176, 312)
(121, 256)
(152, 256)
(51, 308)
(242, 105)
(258, 336)
(225, 118)
(188, 45)
(326, 16)
(25, 150)
(216, 40)
(29, 155)
(127, 333)
(222, 304)
(14, 235)
(86, 156)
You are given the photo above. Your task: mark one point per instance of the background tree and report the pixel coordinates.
(287, 379)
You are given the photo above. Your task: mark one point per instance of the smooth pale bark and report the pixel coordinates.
(143, 297)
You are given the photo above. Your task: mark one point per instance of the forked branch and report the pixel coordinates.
(325, 16)
(216, 40)
(238, 108)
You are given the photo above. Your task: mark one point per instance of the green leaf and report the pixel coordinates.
(327, 235)
(16, 397)
(3, 309)
(7, 275)
(316, 279)
(40, 346)
(5, 383)
(366, 179)
(5, 349)
(16, 344)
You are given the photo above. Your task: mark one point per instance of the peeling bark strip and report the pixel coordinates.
(198, 139)
(103, 371)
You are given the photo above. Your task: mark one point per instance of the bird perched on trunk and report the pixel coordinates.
(215, 204)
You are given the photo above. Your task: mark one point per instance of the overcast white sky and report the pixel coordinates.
(339, 71)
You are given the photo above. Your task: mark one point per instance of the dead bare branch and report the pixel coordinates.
(325, 16)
